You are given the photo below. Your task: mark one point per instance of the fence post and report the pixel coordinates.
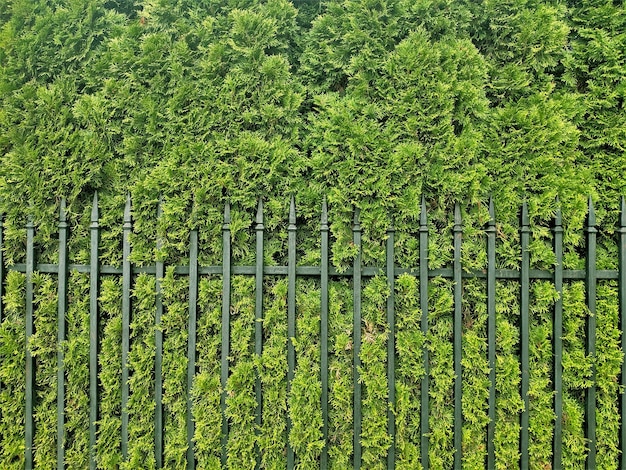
(458, 340)
(324, 332)
(61, 311)
(491, 333)
(258, 324)
(191, 343)
(158, 354)
(29, 430)
(94, 273)
(423, 292)
(291, 318)
(391, 347)
(591, 335)
(126, 282)
(557, 338)
(524, 334)
(356, 237)
(225, 326)
(622, 307)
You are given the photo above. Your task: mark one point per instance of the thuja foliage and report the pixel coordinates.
(141, 365)
(43, 346)
(273, 375)
(306, 389)
(174, 325)
(108, 445)
(475, 374)
(206, 393)
(241, 401)
(410, 367)
(370, 103)
(340, 377)
(13, 393)
(76, 350)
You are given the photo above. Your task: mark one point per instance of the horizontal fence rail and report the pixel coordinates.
(324, 272)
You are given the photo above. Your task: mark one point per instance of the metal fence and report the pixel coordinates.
(324, 272)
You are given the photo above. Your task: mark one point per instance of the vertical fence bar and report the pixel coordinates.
(491, 334)
(61, 312)
(423, 287)
(158, 354)
(226, 265)
(558, 340)
(458, 340)
(356, 237)
(591, 335)
(126, 281)
(30, 363)
(291, 317)
(622, 308)
(258, 324)
(191, 343)
(391, 348)
(524, 334)
(94, 273)
(324, 332)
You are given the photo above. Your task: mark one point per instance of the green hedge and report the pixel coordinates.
(370, 103)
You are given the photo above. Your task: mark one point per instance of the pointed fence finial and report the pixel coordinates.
(525, 218)
(159, 238)
(292, 213)
(127, 216)
(259, 213)
(423, 214)
(558, 219)
(259, 216)
(94, 210)
(492, 212)
(226, 216)
(62, 212)
(357, 219)
(324, 217)
(591, 218)
(458, 221)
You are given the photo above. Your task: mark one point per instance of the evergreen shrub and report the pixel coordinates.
(369, 103)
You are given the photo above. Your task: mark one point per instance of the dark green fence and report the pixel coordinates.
(324, 272)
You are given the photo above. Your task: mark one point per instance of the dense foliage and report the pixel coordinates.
(370, 103)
